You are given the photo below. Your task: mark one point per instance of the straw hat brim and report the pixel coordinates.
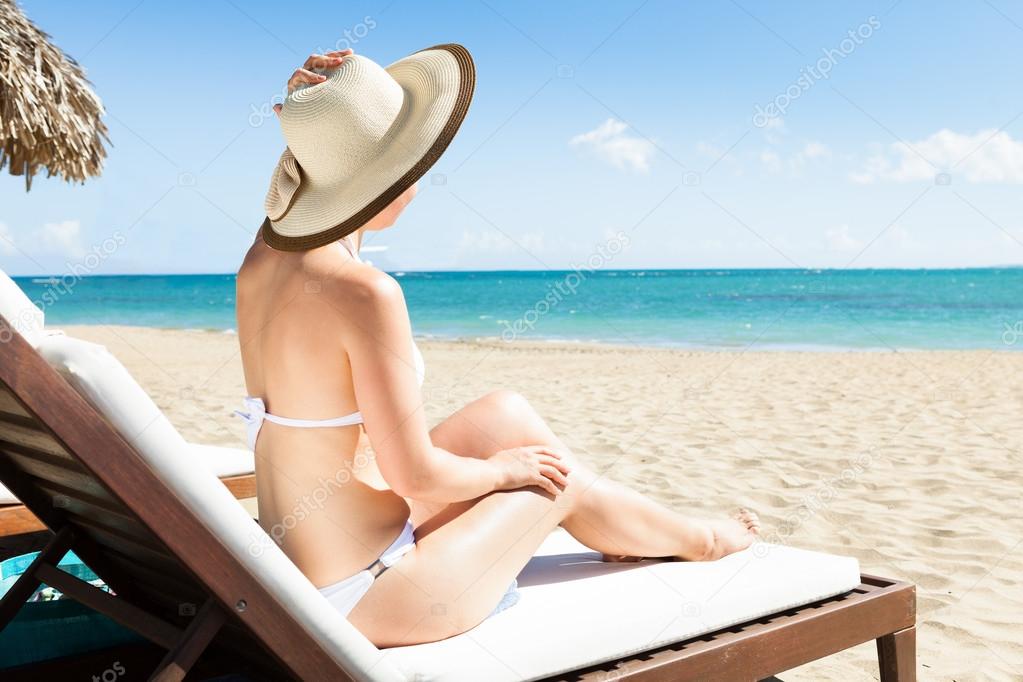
(438, 83)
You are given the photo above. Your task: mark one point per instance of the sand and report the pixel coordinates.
(908, 461)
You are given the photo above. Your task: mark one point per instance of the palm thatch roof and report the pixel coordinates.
(49, 115)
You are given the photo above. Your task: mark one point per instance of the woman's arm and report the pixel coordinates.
(379, 345)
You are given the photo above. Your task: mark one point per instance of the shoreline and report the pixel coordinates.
(567, 344)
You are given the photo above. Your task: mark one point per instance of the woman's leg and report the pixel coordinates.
(468, 553)
(464, 560)
(605, 516)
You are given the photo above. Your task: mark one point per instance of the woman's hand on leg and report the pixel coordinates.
(540, 465)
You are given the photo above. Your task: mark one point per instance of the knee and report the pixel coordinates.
(508, 402)
(580, 479)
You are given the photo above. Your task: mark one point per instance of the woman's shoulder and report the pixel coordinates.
(358, 286)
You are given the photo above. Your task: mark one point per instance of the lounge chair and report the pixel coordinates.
(193, 573)
(234, 466)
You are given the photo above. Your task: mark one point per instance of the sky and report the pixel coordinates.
(631, 134)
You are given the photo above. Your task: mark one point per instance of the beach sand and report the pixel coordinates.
(908, 461)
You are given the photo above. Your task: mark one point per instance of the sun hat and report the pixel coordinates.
(359, 139)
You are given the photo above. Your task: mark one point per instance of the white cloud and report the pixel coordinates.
(771, 161)
(986, 156)
(7, 246)
(815, 150)
(839, 239)
(63, 237)
(610, 142)
(811, 152)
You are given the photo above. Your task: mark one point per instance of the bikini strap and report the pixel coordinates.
(257, 413)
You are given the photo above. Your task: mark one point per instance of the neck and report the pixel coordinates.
(355, 240)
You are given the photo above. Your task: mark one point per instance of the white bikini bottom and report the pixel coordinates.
(344, 595)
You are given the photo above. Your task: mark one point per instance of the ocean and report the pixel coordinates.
(719, 309)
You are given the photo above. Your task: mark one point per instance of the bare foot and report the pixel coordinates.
(729, 536)
(733, 535)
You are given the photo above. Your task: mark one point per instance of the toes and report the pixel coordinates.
(749, 519)
(746, 516)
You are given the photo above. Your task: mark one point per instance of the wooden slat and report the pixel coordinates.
(157, 558)
(174, 584)
(10, 405)
(128, 529)
(171, 606)
(33, 438)
(48, 471)
(16, 519)
(60, 494)
(152, 628)
(242, 487)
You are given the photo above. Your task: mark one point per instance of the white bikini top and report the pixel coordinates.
(255, 408)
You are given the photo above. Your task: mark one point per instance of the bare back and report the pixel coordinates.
(321, 497)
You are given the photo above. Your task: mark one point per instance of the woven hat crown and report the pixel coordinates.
(334, 127)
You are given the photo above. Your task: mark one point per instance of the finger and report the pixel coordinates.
(547, 450)
(554, 475)
(277, 109)
(547, 485)
(322, 61)
(557, 464)
(302, 76)
(340, 53)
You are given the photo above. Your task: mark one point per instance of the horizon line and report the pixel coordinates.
(1007, 266)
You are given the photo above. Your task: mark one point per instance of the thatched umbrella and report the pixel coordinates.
(49, 115)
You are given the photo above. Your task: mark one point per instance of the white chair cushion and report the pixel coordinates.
(577, 611)
(105, 383)
(224, 461)
(19, 311)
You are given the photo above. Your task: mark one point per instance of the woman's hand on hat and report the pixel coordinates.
(305, 75)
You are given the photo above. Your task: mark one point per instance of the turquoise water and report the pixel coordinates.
(876, 309)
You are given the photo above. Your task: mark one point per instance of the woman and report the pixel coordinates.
(413, 534)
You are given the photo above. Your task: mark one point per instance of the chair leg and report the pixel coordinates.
(176, 664)
(896, 656)
(24, 586)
